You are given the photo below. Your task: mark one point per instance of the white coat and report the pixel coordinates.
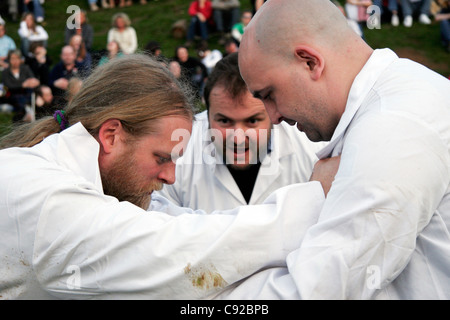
(383, 232)
(204, 182)
(62, 237)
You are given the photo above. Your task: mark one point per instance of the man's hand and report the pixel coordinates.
(324, 171)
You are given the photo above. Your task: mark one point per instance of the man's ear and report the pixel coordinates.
(312, 59)
(110, 135)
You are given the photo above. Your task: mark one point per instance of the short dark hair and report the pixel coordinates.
(225, 73)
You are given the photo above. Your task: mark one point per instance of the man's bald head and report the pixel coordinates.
(278, 24)
(300, 57)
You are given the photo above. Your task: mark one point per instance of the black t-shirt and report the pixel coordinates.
(245, 179)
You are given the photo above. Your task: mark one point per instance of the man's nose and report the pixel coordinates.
(239, 135)
(167, 175)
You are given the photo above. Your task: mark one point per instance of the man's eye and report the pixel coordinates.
(162, 160)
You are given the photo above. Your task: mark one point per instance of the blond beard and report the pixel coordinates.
(123, 182)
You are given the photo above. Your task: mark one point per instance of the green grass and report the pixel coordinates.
(153, 21)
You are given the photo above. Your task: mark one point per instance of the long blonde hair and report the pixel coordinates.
(135, 89)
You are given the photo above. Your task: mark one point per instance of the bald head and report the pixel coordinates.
(279, 23)
(300, 58)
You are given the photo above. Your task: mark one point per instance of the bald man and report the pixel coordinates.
(383, 231)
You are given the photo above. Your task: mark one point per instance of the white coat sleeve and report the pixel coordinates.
(91, 246)
(393, 174)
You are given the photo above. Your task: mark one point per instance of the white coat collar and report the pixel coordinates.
(363, 83)
(78, 151)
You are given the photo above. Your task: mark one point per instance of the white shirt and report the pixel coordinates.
(62, 237)
(204, 182)
(383, 232)
(38, 35)
(127, 39)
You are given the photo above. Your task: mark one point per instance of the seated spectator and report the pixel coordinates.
(441, 12)
(392, 6)
(191, 69)
(113, 49)
(62, 72)
(123, 33)
(6, 45)
(230, 47)
(200, 12)
(352, 24)
(226, 13)
(45, 104)
(356, 10)
(94, 7)
(175, 68)
(153, 48)
(29, 32)
(86, 31)
(124, 3)
(73, 88)
(411, 7)
(34, 7)
(39, 62)
(20, 81)
(83, 56)
(238, 29)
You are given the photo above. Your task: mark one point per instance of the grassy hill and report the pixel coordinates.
(154, 20)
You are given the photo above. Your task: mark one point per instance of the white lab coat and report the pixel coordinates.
(383, 232)
(204, 182)
(61, 237)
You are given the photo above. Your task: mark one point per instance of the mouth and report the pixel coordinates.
(240, 150)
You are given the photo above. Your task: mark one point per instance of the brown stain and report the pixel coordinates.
(204, 276)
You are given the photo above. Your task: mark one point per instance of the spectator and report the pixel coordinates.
(356, 10)
(200, 12)
(209, 57)
(86, 31)
(94, 7)
(191, 69)
(62, 72)
(45, 104)
(153, 48)
(6, 45)
(123, 33)
(124, 3)
(238, 29)
(175, 69)
(226, 14)
(29, 32)
(230, 47)
(83, 56)
(441, 11)
(20, 80)
(352, 24)
(39, 62)
(113, 49)
(392, 6)
(410, 7)
(73, 87)
(34, 7)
